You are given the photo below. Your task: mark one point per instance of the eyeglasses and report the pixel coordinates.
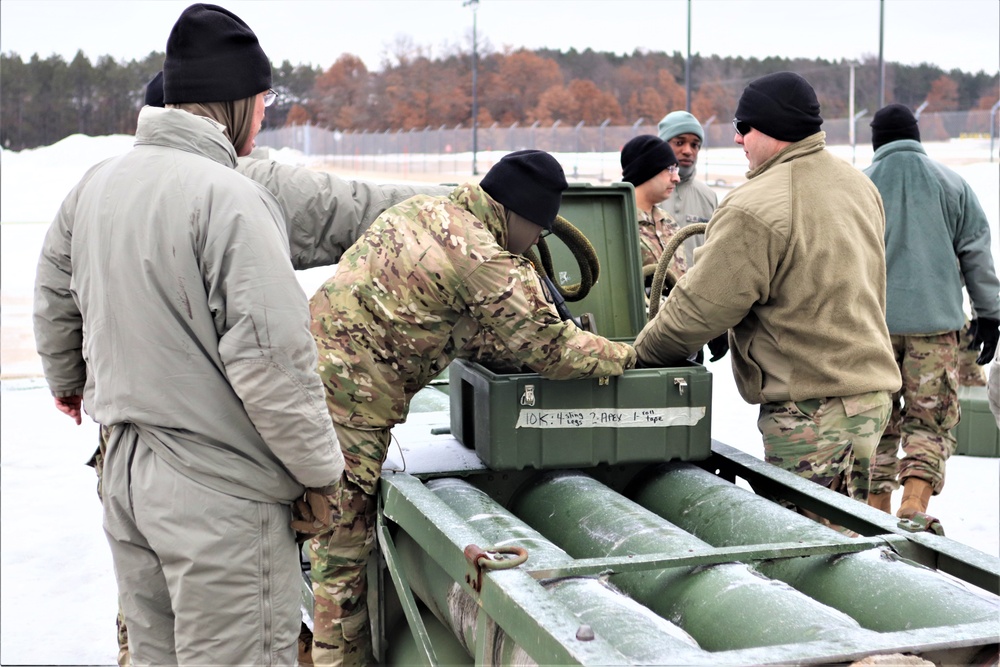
(674, 168)
(742, 127)
(544, 233)
(269, 97)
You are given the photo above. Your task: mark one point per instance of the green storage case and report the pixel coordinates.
(524, 420)
(514, 421)
(977, 432)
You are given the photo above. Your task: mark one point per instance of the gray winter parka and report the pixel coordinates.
(324, 214)
(691, 202)
(165, 296)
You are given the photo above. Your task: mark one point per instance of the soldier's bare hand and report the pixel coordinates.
(71, 405)
(316, 511)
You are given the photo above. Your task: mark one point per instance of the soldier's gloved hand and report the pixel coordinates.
(985, 332)
(316, 511)
(718, 346)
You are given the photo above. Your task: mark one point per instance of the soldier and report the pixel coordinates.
(165, 302)
(937, 237)
(323, 215)
(692, 201)
(650, 166)
(411, 295)
(794, 265)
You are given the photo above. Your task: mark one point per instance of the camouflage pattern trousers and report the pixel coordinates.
(97, 462)
(970, 374)
(829, 441)
(924, 411)
(339, 559)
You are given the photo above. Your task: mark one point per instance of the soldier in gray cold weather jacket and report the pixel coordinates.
(166, 303)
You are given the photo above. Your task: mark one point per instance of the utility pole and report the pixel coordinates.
(475, 98)
(687, 66)
(881, 58)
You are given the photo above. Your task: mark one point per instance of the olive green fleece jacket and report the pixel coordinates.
(794, 265)
(937, 239)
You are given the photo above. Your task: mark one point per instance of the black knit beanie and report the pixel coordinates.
(644, 157)
(530, 183)
(154, 91)
(781, 105)
(892, 123)
(213, 56)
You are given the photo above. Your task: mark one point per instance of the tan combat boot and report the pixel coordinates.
(881, 501)
(916, 495)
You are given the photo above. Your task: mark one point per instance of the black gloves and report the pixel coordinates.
(718, 346)
(985, 333)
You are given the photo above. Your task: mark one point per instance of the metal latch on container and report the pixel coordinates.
(681, 385)
(528, 397)
(502, 558)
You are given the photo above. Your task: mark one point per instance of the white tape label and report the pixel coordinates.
(610, 418)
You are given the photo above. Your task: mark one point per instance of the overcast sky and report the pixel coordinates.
(960, 34)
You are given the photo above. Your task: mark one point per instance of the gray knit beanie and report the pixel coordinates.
(680, 122)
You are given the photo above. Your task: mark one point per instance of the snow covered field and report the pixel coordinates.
(57, 590)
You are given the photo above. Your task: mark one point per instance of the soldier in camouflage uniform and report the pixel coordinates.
(937, 239)
(793, 266)
(649, 164)
(414, 293)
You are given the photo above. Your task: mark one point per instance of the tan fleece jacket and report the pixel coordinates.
(794, 265)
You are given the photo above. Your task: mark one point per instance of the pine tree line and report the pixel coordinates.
(45, 100)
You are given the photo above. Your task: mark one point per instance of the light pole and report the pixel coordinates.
(687, 66)
(854, 120)
(475, 100)
(881, 58)
(704, 146)
(850, 107)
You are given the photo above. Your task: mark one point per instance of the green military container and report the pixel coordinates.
(977, 432)
(516, 421)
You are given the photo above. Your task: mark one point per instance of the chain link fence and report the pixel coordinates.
(449, 149)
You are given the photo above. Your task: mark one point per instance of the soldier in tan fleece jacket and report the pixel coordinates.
(794, 267)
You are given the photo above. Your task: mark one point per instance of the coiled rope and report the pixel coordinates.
(583, 251)
(662, 273)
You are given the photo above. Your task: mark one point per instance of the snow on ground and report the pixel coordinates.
(57, 597)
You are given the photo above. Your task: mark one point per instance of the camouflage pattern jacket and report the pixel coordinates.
(414, 293)
(655, 232)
